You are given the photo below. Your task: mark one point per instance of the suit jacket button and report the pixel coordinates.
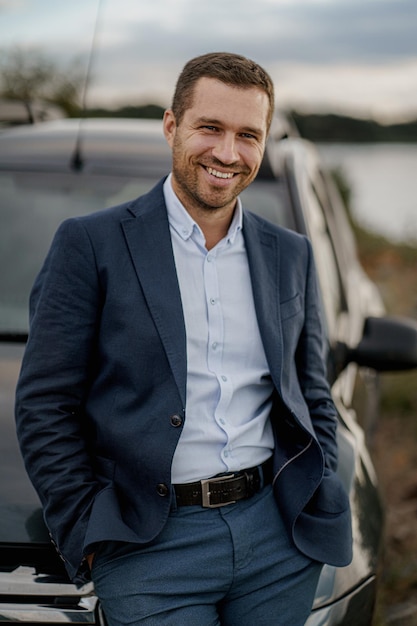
(176, 421)
(162, 490)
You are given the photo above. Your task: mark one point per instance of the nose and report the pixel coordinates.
(225, 149)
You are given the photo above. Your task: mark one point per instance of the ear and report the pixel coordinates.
(169, 126)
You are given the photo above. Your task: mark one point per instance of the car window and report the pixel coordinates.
(32, 205)
(268, 199)
(338, 222)
(325, 258)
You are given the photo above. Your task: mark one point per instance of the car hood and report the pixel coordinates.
(21, 518)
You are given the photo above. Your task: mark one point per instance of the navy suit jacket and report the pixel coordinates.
(103, 382)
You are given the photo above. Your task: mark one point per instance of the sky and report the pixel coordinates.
(357, 57)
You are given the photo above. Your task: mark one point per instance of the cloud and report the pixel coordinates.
(12, 5)
(322, 32)
(385, 91)
(340, 50)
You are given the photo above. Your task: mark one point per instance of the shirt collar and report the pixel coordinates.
(182, 222)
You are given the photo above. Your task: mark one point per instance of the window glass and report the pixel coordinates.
(31, 208)
(327, 268)
(268, 199)
(338, 221)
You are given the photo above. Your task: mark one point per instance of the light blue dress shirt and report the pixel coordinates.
(227, 426)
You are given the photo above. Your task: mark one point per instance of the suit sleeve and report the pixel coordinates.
(54, 380)
(311, 364)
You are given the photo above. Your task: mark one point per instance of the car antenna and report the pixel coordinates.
(77, 161)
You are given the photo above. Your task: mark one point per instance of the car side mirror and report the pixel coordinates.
(387, 344)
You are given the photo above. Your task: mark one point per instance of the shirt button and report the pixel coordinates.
(176, 421)
(224, 378)
(212, 301)
(162, 490)
(214, 345)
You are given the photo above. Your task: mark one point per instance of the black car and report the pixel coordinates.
(54, 170)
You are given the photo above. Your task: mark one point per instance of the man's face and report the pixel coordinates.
(218, 146)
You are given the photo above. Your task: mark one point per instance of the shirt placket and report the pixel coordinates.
(215, 348)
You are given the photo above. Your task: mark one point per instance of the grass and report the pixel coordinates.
(393, 267)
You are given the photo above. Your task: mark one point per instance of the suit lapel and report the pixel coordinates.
(264, 264)
(149, 242)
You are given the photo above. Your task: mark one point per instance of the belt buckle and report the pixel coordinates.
(206, 493)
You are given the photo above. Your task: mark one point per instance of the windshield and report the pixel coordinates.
(32, 205)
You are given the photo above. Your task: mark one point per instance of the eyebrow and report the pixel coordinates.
(215, 122)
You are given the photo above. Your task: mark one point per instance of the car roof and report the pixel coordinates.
(95, 145)
(87, 144)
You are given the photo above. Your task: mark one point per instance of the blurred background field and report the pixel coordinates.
(394, 446)
(393, 266)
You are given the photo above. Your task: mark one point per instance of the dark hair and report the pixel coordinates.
(231, 69)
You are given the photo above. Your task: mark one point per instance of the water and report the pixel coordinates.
(383, 178)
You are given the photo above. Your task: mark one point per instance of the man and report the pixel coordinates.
(176, 339)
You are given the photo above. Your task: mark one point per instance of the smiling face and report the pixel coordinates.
(217, 147)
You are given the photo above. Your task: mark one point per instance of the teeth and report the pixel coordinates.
(219, 174)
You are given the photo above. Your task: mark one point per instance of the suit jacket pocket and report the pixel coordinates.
(291, 307)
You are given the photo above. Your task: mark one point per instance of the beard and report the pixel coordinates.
(193, 187)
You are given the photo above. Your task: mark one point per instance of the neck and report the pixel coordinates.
(214, 224)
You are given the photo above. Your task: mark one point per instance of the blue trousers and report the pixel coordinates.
(231, 566)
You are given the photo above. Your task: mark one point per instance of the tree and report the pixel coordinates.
(65, 89)
(29, 76)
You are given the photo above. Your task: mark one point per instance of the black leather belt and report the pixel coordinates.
(225, 488)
